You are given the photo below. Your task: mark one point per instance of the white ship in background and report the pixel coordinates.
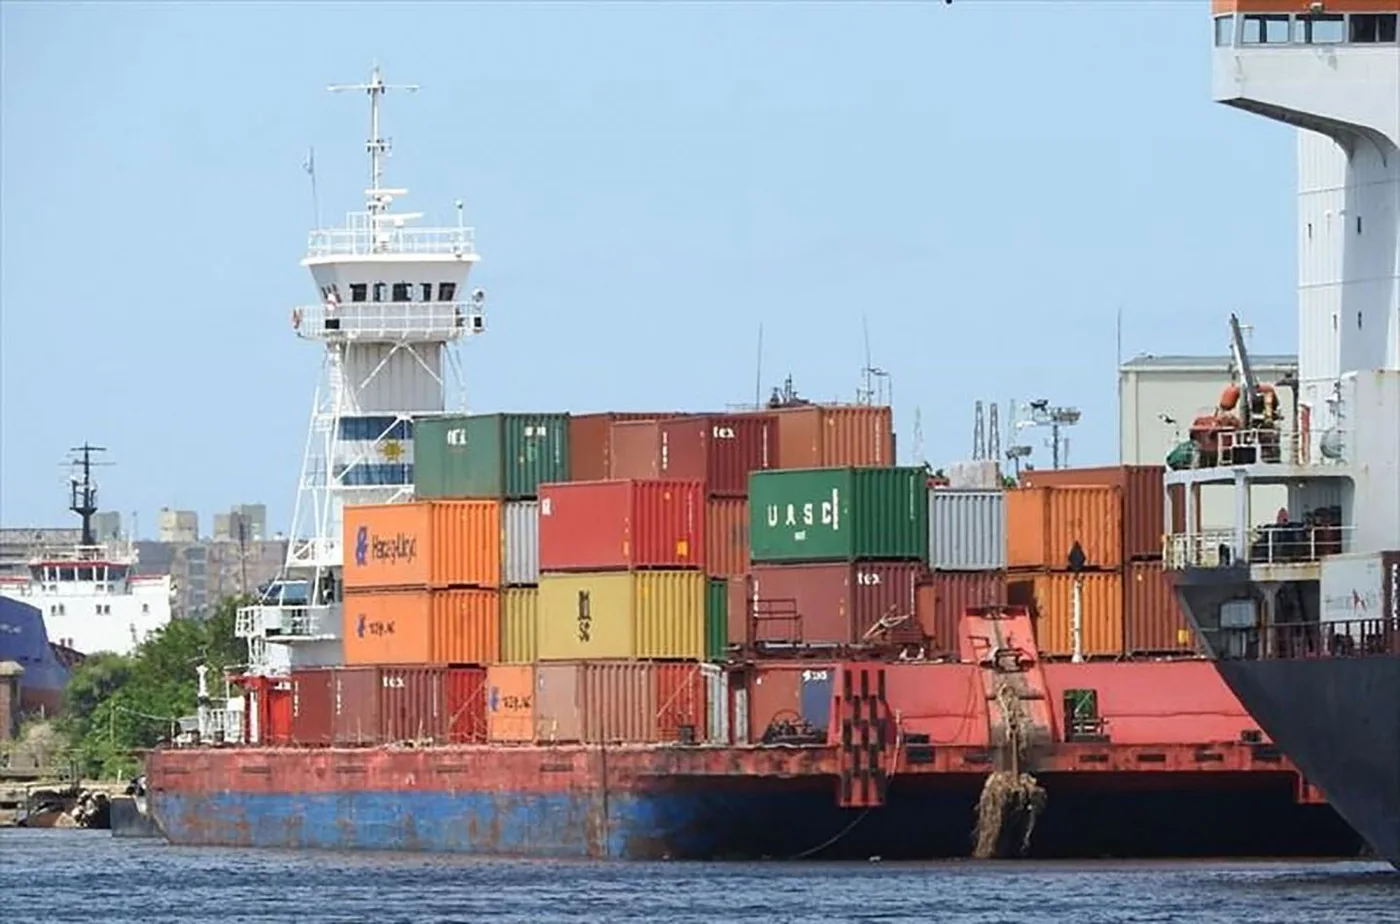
(90, 595)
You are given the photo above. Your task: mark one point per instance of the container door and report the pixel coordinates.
(741, 714)
(816, 698)
(717, 705)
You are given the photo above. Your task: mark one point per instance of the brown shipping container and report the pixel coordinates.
(727, 537)
(453, 543)
(835, 436)
(1049, 595)
(617, 700)
(558, 714)
(943, 596)
(421, 627)
(680, 701)
(635, 450)
(1042, 525)
(590, 441)
(837, 602)
(356, 692)
(718, 450)
(1141, 487)
(510, 702)
(412, 705)
(313, 707)
(1153, 622)
(739, 609)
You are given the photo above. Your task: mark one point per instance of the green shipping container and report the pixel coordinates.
(505, 456)
(838, 514)
(716, 619)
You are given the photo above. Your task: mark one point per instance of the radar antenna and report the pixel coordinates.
(83, 499)
(876, 387)
(378, 147)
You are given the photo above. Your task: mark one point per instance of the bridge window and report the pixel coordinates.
(1373, 28)
(67, 574)
(1224, 31)
(427, 289)
(357, 291)
(1267, 29)
(401, 292)
(1322, 29)
(446, 291)
(379, 291)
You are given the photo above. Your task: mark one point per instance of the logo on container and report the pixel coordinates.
(361, 545)
(457, 436)
(813, 513)
(360, 626)
(391, 550)
(375, 628)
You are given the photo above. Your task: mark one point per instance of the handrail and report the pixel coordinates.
(1351, 638)
(1271, 544)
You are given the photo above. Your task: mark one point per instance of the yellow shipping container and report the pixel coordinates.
(622, 614)
(520, 622)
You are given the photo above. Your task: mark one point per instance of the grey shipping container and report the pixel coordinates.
(521, 528)
(967, 530)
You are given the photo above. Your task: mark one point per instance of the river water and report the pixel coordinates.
(87, 876)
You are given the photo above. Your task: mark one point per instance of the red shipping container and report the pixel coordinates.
(680, 701)
(1153, 622)
(1142, 490)
(839, 602)
(590, 441)
(611, 525)
(313, 707)
(466, 704)
(790, 693)
(355, 691)
(944, 595)
(727, 537)
(279, 711)
(740, 609)
(411, 706)
(719, 450)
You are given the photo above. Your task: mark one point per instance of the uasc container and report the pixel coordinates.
(718, 450)
(423, 544)
(510, 702)
(500, 456)
(1142, 492)
(838, 603)
(590, 442)
(520, 634)
(622, 614)
(1050, 597)
(826, 436)
(597, 525)
(460, 626)
(943, 597)
(1153, 622)
(726, 536)
(967, 530)
(838, 514)
(1044, 523)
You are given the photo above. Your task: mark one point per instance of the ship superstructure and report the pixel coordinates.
(1303, 616)
(392, 298)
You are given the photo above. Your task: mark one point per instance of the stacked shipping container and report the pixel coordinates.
(967, 561)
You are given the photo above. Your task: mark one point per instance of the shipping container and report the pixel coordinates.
(499, 456)
(1050, 597)
(313, 707)
(1042, 525)
(590, 441)
(510, 702)
(460, 626)
(716, 449)
(465, 695)
(717, 704)
(967, 530)
(726, 536)
(423, 544)
(832, 436)
(739, 610)
(716, 618)
(520, 556)
(558, 710)
(1153, 622)
(280, 711)
(412, 705)
(622, 614)
(783, 697)
(943, 597)
(838, 514)
(1360, 586)
(356, 695)
(520, 630)
(837, 603)
(599, 525)
(600, 702)
(1142, 491)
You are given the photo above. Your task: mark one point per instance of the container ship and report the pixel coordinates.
(1302, 617)
(23, 642)
(654, 634)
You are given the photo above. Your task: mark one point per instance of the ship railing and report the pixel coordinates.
(1277, 446)
(376, 321)
(1349, 638)
(1271, 544)
(286, 621)
(114, 554)
(364, 236)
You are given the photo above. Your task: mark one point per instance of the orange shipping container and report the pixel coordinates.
(1042, 525)
(835, 436)
(1153, 622)
(434, 544)
(727, 536)
(421, 626)
(1050, 597)
(1142, 500)
(510, 702)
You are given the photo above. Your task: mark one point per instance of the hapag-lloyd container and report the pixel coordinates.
(1142, 492)
(599, 525)
(826, 436)
(1153, 622)
(943, 597)
(838, 603)
(838, 514)
(460, 626)
(726, 537)
(1043, 524)
(1050, 597)
(590, 442)
(967, 530)
(718, 450)
(454, 543)
(510, 702)
(622, 614)
(499, 456)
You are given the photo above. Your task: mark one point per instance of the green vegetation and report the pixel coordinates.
(119, 703)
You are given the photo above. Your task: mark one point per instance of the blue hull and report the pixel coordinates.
(24, 640)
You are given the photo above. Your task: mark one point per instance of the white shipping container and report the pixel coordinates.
(1362, 585)
(717, 703)
(967, 530)
(521, 529)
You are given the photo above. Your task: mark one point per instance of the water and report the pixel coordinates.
(85, 876)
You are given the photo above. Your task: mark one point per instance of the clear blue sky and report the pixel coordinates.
(988, 182)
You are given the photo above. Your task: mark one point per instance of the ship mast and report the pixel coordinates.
(83, 500)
